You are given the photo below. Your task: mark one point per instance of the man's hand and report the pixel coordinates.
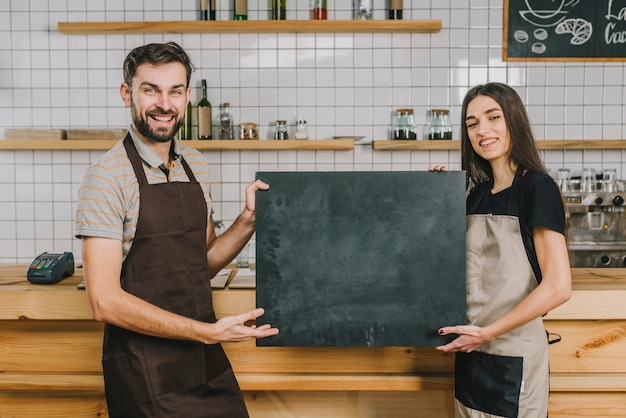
(234, 328)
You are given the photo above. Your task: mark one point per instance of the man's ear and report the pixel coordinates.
(125, 93)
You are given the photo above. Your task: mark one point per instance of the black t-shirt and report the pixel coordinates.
(538, 203)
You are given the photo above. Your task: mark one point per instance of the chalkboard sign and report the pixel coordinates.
(360, 258)
(564, 30)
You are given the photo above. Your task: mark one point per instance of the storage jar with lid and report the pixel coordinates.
(281, 130)
(248, 130)
(439, 126)
(225, 125)
(404, 125)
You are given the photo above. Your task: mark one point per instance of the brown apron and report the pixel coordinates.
(167, 266)
(508, 377)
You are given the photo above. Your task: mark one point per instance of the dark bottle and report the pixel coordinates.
(204, 9)
(394, 11)
(204, 116)
(279, 9)
(185, 126)
(319, 10)
(212, 9)
(240, 9)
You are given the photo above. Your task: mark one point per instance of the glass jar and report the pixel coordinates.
(301, 130)
(319, 10)
(404, 125)
(362, 9)
(562, 175)
(281, 130)
(588, 180)
(439, 126)
(248, 130)
(609, 180)
(225, 125)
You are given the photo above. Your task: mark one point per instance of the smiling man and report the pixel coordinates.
(149, 250)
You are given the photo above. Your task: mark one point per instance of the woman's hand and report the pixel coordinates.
(437, 168)
(470, 338)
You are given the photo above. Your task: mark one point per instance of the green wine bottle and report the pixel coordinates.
(204, 110)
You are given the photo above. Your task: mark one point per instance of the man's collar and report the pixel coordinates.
(149, 156)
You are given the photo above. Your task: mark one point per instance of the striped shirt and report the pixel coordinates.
(108, 198)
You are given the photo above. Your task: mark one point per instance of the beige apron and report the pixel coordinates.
(508, 377)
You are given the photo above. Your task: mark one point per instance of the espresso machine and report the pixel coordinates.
(597, 227)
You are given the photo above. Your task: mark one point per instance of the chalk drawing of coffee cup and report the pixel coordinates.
(545, 9)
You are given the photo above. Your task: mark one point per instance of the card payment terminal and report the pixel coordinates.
(49, 268)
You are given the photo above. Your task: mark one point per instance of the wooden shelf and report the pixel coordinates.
(294, 144)
(544, 144)
(251, 26)
(105, 144)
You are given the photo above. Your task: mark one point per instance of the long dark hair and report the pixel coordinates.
(156, 54)
(524, 150)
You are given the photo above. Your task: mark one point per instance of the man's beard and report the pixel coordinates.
(144, 128)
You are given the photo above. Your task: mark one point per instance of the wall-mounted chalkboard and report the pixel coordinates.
(564, 30)
(360, 258)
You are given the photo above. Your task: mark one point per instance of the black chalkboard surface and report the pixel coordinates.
(360, 258)
(564, 30)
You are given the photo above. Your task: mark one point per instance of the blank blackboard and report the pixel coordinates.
(564, 30)
(360, 258)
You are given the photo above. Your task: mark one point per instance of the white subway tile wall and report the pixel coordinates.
(342, 84)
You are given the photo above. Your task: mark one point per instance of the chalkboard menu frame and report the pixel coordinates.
(564, 30)
(360, 259)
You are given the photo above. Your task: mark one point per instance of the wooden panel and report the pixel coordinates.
(51, 346)
(78, 404)
(246, 358)
(588, 346)
(250, 26)
(349, 404)
(579, 405)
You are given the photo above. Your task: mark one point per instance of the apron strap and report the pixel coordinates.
(135, 160)
(137, 164)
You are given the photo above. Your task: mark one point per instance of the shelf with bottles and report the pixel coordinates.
(543, 144)
(105, 144)
(251, 26)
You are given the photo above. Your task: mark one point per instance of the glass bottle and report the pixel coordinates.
(301, 130)
(362, 9)
(225, 122)
(204, 9)
(185, 126)
(394, 9)
(279, 9)
(212, 9)
(404, 125)
(319, 10)
(204, 111)
(440, 126)
(281, 130)
(240, 10)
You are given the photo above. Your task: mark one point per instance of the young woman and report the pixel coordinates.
(517, 261)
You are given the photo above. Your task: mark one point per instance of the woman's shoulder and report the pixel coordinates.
(532, 180)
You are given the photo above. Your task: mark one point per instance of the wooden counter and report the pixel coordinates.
(50, 350)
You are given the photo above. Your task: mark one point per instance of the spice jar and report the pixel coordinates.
(404, 125)
(281, 130)
(439, 126)
(248, 130)
(301, 130)
(225, 125)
